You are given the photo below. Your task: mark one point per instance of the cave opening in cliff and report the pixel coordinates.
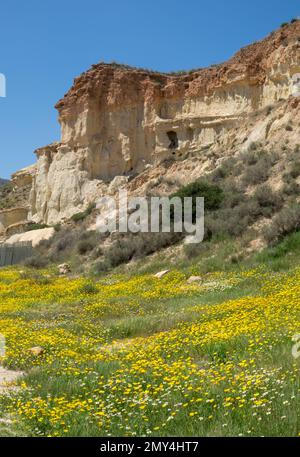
(190, 134)
(173, 140)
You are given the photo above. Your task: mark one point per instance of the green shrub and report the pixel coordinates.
(226, 169)
(101, 267)
(36, 262)
(64, 241)
(291, 188)
(268, 200)
(97, 252)
(78, 217)
(34, 226)
(226, 222)
(249, 209)
(194, 250)
(213, 195)
(138, 245)
(295, 170)
(84, 246)
(285, 222)
(252, 156)
(232, 196)
(88, 289)
(66, 244)
(260, 165)
(257, 173)
(120, 252)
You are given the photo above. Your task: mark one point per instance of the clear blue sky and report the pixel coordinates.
(44, 44)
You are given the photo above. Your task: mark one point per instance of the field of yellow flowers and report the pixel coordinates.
(139, 356)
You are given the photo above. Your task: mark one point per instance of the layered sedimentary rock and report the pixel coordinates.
(14, 217)
(24, 177)
(11, 218)
(119, 121)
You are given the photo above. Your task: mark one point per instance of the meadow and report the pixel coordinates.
(128, 354)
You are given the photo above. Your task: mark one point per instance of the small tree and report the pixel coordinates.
(212, 194)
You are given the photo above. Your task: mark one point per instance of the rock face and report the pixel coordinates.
(24, 177)
(11, 218)
(119, 121)
(34, 236)
(14, 217)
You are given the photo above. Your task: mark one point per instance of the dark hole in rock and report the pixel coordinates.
(173, 140)
(190, 134)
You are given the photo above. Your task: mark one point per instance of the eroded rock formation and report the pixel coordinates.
(15, 204)
(120, 121)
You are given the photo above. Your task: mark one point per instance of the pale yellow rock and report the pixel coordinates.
(116, 184)
(10, 217)
(256, 245)
(161, 274)
(33, 236)
(194, 279)
(37, 351)
(64, 268)
(24, 176)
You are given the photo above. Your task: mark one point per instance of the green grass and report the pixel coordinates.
(128, 316)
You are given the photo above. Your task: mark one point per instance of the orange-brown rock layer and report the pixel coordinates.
(118, 122)
(113, 84)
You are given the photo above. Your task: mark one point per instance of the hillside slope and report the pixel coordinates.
(134, 355)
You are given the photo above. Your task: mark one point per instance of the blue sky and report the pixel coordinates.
(44, 44)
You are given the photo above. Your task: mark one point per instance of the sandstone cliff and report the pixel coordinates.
(14, 202)
(120, 121)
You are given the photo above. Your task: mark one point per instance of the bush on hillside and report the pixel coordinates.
(139, 245)
(291, 188)
(134, 246)
(34, 226)
(268, 200)
(85, 246)
(78, 217)
(36, 262)
(285, 222)
(260, 164)
(295, 170)
(256, 174)
(213, 195)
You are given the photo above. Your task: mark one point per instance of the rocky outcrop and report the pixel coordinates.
(119, 121)
(14, 216)
(24, 177)
(35, 237)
